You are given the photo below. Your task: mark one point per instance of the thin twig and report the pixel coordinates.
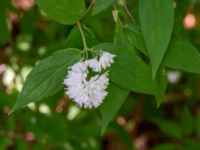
(127, 11)
(88, 10)
(82, 35)
(85, 48)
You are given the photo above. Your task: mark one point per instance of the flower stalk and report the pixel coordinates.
(85, 48)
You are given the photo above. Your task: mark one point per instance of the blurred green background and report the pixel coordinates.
(27, 36)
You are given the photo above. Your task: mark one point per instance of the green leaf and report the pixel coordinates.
(160, 86)
(182, 55)
(112, 103)
(130, 72)
(74, 38)
(119, 40)
(187, 122)
(161, 79)
(135, 38)
(165, 147)
(156, 18)
(101, 5)
(170, 128)
(47, 77)
(64, 11)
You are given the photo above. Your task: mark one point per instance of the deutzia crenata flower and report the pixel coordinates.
(106, 59)
(94, 64)
(89, 93)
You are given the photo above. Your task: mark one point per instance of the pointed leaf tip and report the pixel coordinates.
(156, 29)
(47, 77)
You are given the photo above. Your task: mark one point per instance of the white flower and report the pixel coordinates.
(88, 93)
(94, 64)
(106, 59)
(79, 67)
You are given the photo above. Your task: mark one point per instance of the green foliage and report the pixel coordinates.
(74, 38)
(64, 11)
(114, 100)
(47, 77)
(170, 128)
(129, 71)
(159, 84)
(182, 55)
(101, 5)
(134, 36)
(151, 48)
(156, 18)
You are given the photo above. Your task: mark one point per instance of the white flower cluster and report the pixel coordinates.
(89, 93)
